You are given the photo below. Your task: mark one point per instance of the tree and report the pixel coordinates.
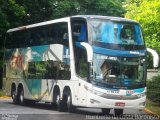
(42, 10)
(147, 13)
(64, 8)
(153, 89)
(10, 16)
(36, 10)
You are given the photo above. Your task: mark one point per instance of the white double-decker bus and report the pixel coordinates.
(78, 61)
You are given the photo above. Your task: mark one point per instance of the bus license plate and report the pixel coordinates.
(122, 104)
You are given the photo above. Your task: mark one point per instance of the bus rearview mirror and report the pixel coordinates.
(89, 51)
(155, 57)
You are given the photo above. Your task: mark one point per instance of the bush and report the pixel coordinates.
(153, 89)
(1, 93)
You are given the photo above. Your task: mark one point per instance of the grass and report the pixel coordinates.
(152, 106)
(1, 93)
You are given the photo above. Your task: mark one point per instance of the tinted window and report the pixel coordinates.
(43, 35)
(48, 70)
(79, 31)
(110, 32)
(81, 61)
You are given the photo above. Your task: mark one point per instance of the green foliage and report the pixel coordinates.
(11, 14)
(147, 13)
(42, 10)
(152, 106)
(1, 93)
(36, 10)
(64, 8)
(153, 89)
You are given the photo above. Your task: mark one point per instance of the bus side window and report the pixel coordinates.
(51, 70)
(83, 33)
(31, 70)
(81, 62)
(79, 31)
(62, 31)
(42, 70)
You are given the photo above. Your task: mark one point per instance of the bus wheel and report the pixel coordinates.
(59, 103)
(70, 107)
(118, 112)
(21, 97)
(14, 97)
(105, 111)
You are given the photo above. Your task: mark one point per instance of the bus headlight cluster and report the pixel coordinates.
(98, 93)
(141, 95)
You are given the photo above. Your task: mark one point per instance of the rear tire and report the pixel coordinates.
(70, 106)
(59, 103)
(14, 96)
(105, 111)
(20, 97)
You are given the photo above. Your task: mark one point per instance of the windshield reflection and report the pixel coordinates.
(106, 31)
(117, 72)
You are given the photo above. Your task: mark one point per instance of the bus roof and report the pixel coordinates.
(106, 17)
(66, 19)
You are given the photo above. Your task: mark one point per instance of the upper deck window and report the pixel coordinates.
(79, 30)
(124, 33)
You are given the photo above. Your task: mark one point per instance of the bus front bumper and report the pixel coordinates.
(100, 102)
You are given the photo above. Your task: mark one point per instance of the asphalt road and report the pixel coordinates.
(41, 111)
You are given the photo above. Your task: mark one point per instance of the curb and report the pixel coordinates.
(149, 112)
(5, 97)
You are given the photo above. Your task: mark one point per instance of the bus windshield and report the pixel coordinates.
(112, 32)
(118, 72)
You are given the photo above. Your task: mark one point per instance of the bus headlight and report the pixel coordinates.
(98, 93)
(141, 95)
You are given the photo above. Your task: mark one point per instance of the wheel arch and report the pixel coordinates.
(66, 92)
(20, 86)
(13, 87)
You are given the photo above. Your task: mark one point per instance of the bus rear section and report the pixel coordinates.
(38, 66)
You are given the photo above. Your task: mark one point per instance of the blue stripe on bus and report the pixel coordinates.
(139, 90)
(118, 53)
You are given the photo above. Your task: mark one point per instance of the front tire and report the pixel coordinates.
(118, 112)
(105, 111)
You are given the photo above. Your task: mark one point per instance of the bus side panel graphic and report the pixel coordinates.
(33, 64)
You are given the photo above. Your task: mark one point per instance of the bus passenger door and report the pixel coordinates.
(79, 35)
(81, 66)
